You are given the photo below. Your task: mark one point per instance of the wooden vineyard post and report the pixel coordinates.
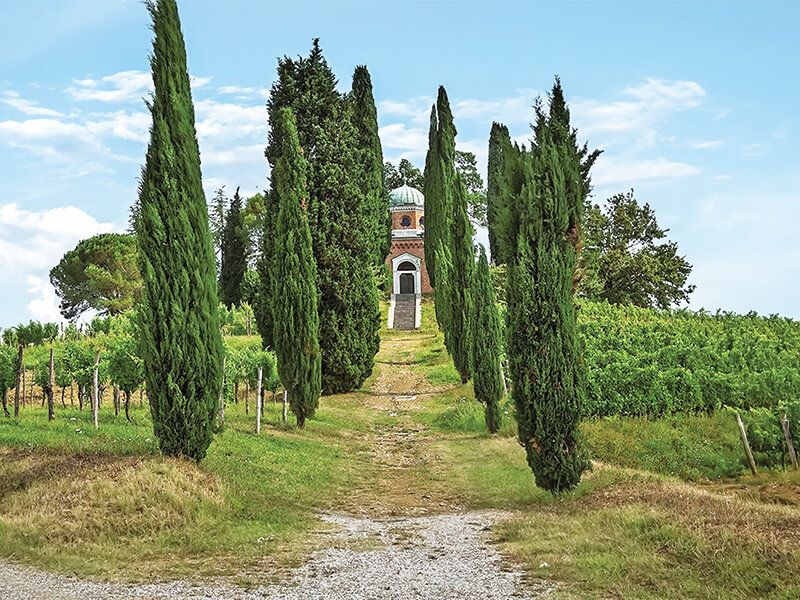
(788, 437)
(285, 392)
(16, 389)
(746, 444)
(96, 390)
(258, 400)
(221, 414)
(51, 388)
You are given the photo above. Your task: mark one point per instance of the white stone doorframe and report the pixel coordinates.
(417, 272)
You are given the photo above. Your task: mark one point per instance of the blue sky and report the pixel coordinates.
(694, 104)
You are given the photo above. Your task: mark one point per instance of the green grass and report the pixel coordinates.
(107, 500)
(688, 446)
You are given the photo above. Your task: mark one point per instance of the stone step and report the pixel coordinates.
(405, 307)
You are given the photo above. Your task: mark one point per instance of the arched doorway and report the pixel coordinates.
(407, 270)
(407, 283)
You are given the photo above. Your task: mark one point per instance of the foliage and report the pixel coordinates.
(181, 345)
(458, 290)
(544, 348)
(100, 273)
(654, 362)
(349, 317)
(234, 254)
(375, 202)
(486, 346)
(499, 138)
(253, 222)
(124, 363)
(404, 174)
(440, 185)
(34, 333)
(467, 168)
(8, 372)
(217, 209)
(626, 261)
(294, 296)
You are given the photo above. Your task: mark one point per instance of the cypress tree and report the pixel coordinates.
(459, 292)
(544, 349)
(262, 309)
(180, 341)
(376, 197)
(293, 278)
(486, 345)
(440, 174)
(343, 240)
(234, 254)
(499, 138)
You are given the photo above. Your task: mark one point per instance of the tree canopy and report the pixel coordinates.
(100, 273)
(626, 259)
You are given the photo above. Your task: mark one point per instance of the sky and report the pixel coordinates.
(694, 105)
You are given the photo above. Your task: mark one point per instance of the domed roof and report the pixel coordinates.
(405, 196)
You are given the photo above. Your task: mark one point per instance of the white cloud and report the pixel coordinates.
(28, 107)
(133, 126)
(608, 170)
(226, 120)
(44, 306)
(707, 144)
(32, 242)
(125, 86)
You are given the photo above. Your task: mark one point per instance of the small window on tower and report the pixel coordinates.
(405, 221)
(421, 222)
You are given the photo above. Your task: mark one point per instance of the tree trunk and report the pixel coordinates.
(16, 389)
(127, 405)
(247, 397)
(116, 402)
(50, 386)
(258, 401)
(81, 392)
(24, 377)
(63, 392)
(5, 403)
(96, 391)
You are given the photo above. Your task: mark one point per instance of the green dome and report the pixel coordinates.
(406, 196)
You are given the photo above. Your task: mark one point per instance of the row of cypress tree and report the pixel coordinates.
(346, 208)
(464, 297)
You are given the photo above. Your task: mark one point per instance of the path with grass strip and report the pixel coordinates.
(400, 533)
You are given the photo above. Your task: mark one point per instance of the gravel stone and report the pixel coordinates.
(446, 556)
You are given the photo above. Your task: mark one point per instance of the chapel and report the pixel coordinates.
(406, 258)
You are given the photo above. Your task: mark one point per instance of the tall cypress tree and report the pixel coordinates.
(544, 349)
(265, 323)
(459, 288)
(376, 197)
(234, 254)
(343, 240)
(499, 138)
(440, 175)
(293, 278)
(180, 341)
(486, 345)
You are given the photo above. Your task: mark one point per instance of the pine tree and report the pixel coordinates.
(234, 254)
(293, 279)
(180, 336)
(439, 180)
(376, 197)
(498, 139)
(343, 240)
(459, 288)
(544, 349)
(486, 345)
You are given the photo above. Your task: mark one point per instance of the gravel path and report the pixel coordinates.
(436, 557)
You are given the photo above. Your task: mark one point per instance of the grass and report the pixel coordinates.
(664, 514)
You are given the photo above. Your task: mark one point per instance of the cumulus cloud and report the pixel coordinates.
(28, 107)
(32, 242)
(609, 170)
(125, 86)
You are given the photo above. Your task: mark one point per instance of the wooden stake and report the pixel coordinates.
(788, 438)
(19, 382)
(285, 402)
(746, 444)
(95, 391)
(258, 400)
(51, 386)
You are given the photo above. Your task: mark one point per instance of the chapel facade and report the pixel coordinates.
(406, 259)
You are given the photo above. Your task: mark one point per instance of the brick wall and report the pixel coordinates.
(415, 247)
